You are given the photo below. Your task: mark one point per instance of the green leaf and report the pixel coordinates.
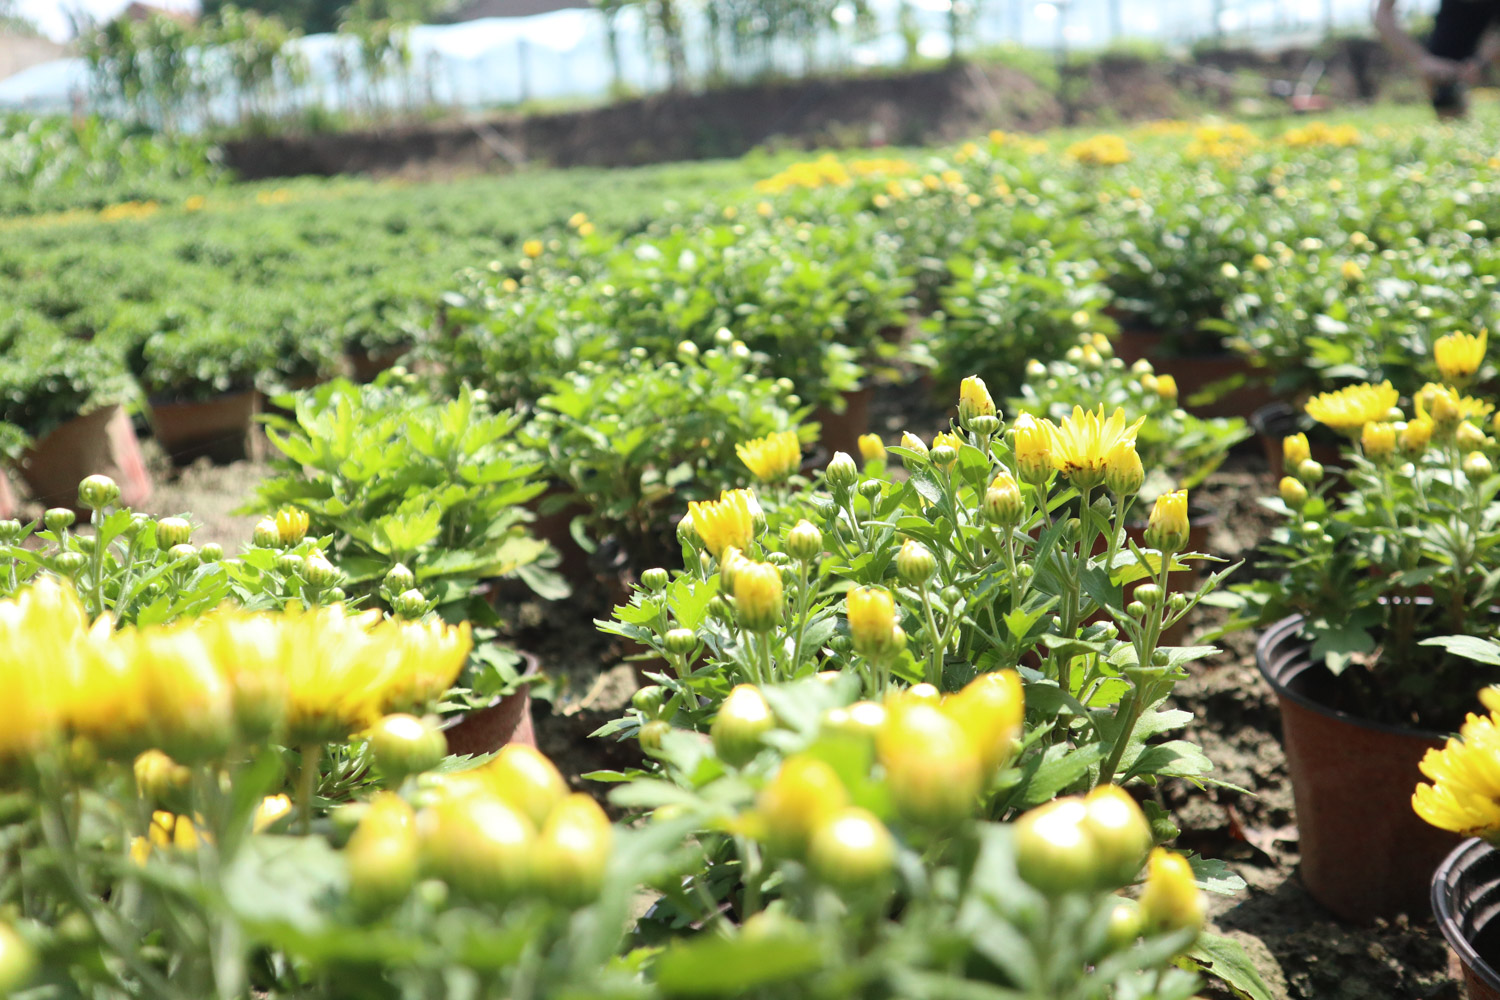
(1214, 875)
(1226, 959)
(1470, 647)
(1060, 766)
(713, 966)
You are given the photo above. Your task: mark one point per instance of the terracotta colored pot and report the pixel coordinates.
(1466, 902)
(364, 365)
(8, 504)
(222, 429)
(508, 720)
(101, 441)
(1365, 852)
(841, 431)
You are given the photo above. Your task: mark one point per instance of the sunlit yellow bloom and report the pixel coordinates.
(291, 525)
(1295, 450)
(190, 702)
(1445, 406)
(1123, 471)
(1378, 439)
(947, 439)
(1416, 435)
(1168, 526)
(1465, 792)
(727, 521)
(1032, 445)
(872, 619)
(1166, 386)
(577, 219)
(271, 809)
(430, 655)
(974, 400)
(532, 248)
(1084, 440)
(1350, 408)
(871, 448)
(772, 458)
(1352, 272)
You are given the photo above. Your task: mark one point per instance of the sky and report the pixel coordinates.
(52, 15)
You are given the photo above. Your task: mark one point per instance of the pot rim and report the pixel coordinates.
(1286, 629)
(1448, 920)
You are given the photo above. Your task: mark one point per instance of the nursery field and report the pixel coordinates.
(1033, 568)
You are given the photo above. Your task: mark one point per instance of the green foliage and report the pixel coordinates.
(397, 477)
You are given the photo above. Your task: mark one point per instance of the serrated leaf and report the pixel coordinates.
(1226, 959)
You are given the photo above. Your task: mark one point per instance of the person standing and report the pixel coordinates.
(1461, 43)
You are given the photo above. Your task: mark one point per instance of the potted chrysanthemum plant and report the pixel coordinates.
(1353, 582)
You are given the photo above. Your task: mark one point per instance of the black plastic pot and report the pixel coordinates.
(1277, 420)
(1466, 902)
(1365, 852)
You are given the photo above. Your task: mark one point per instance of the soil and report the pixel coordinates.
(1303, 952)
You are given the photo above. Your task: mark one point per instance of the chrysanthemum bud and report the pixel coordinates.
(410, 604)
(1166, 387)
(18, 962)
(758, 597)
(974, 400)
(1310, 471)
(1352, 272)
(1378, 440)
(1477, 467)
(266, 536)
(405, 745)
(1167, 528)
(319, 572)
(1415, 436)
(872, 620)
(943, 456)
(914, 563)
(1054, 852)
(1293, 493)
(841, 473)
(983, 425)
(211, 552)
(911, 442)
(160, 780)
(742, 720)
(1171, 900)
(655, 580)
(852, 850)
(1149, 594)
(478, 844)
(184, 556)
(1003, 504)
(804, 542)
(10, 531)
(1123, 471)
(933, 770)
(1032, 445)
(1121, 834)
(383, 854)
(69, 563)
(291, 525)
(1295, 450)
(797, 801)
(572, 851)
(652, 734)
(871, 448)
(1468, 437)
(58, 519)
(680, 641)
(97, 492)
(990, 710)
(289, 564)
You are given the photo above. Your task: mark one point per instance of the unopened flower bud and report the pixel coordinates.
(942, 455)
(409, 604)
(1120, 832)
(758, 596)
(1166, 387)
(681, 641)
(871, 448)
(655, 579)
(1476, 466)
(1054, 852)
(58, 519)
(984, 426)
(1167, 528)
(914, 563)
(743, 719)
(1415, 436)
(649, 700)
(797, 801)
(1170, 900)
(184, 555)
(1032, 445)
(1003, 504)
(266, 536)
(1123, 471)
(1293, 493)
(871, 489)
(334, 595)
(97, 492)
(872, 620)
(291, 525)
(211, 552)
(974, 401)
(404, 745)
(572, 852)
(1149, 594)
(383, 854)
(10, 531)
(399, 579)
(804, 542)
(1468, 437)
(911, 442)
(319, 572)
(1310, 471)
(1295, 450)
(289, 564)
(69, 564)
(841, 473)
(1136, 609)
(852, 850)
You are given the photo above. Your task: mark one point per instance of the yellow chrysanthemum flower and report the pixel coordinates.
(1295, 450)
(871, 448)
(872, 619)
(1378, 439)
(1082, 443)
(1445, 406)
(1168, 527)
(1459, 355)
(291, 525)
(1350, 408)
(726, 522)
(772, 458)
(974, 400)
(1032, 445)
(1465, 792)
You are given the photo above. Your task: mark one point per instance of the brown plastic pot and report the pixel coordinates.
(507, 720)
(221, 429)
(365, 365)
(842, 431)
(1466, 902)
(1194, 373)
(1365, 852)
(101, 441)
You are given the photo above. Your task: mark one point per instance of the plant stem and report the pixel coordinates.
(307, 783)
